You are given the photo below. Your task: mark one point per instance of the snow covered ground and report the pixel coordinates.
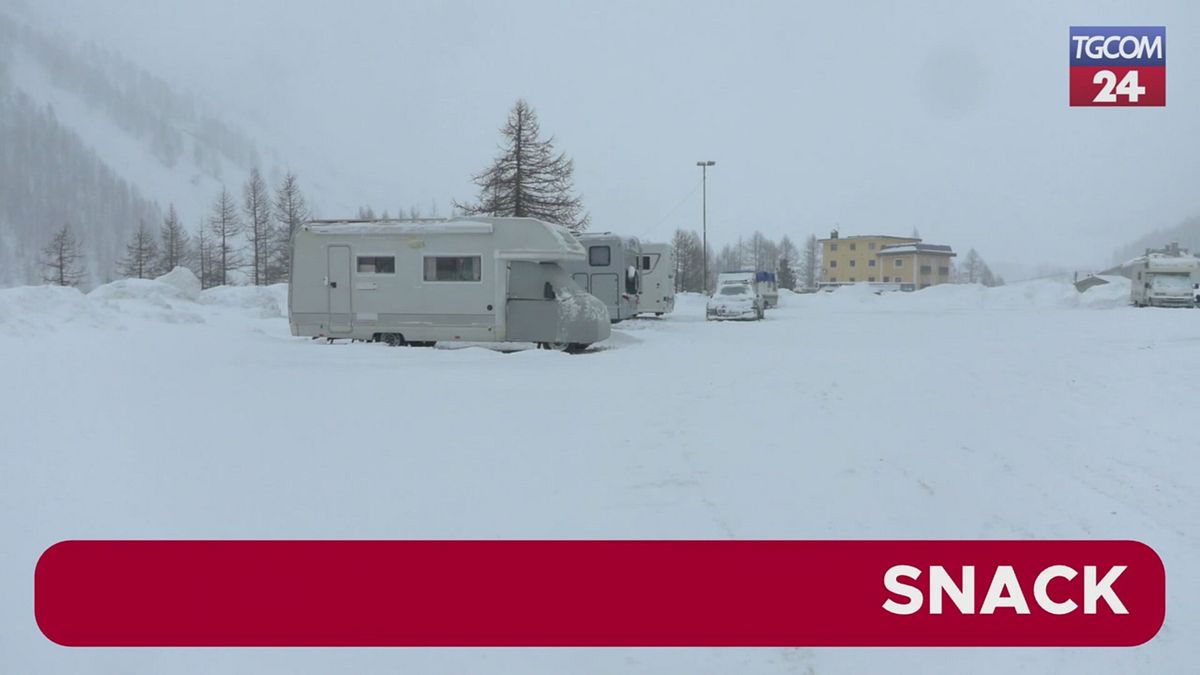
(151, 410)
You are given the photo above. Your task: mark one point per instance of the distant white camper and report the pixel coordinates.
(610, 271)
(425, 281)
(1164, 279)
(658, 279)
(763, 282)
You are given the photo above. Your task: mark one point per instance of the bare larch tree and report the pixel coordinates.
(224, 224)
(62, 260)
(256, 207)
(175, 243)
(291, 211)
(141, 255)
(529, 178)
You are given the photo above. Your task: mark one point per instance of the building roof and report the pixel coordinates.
(870, 236)
(924, 249)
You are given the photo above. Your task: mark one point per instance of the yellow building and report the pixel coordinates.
(883, 259)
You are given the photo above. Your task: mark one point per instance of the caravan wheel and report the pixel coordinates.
(390, 339)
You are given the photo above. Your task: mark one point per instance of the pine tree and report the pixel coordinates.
(787, 263)
(810, 266)
(689, 261)
(291, 211)
(256, 207)
(529, 178)
(224, 225)
(175, 242)
(141, 255)
(62, 259)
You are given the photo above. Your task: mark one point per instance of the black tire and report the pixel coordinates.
(392, 339)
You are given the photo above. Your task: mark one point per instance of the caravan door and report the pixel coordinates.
(582, 279)
(607, 287)
(338, 286)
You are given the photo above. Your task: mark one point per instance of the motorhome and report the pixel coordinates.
(764, 283)
(419, 282)
(610, 271)
(658, 279)
(1164, 278)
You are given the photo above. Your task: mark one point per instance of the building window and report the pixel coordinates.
(452, 268)
(853, 263)
(926, 269)
(871, 246)
(852, 279)
(853, 247)
(599, 256)
(833, 247)
(833, 280)
(832, 263)
(899, 262)
(887, 280)
(871, 279)
(943, 271)
(871, 262)
(376, 264)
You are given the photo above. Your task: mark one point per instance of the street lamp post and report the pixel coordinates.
(704, 222)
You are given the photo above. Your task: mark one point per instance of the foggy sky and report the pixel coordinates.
(948, 117)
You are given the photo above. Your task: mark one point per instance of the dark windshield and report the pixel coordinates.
(736, 289)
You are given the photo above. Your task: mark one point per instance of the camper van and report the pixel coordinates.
(658, 279)
(763, 282)
(610, 271)
(419, 282)
(1164, 279)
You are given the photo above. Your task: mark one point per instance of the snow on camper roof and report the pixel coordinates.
(515, 238)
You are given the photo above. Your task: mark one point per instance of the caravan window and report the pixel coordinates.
(376, 264)
(452, 268)
(599, 256)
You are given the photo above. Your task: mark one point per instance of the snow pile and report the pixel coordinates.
(1107, 296)
(266, 302)
(183, 279)
(30, 310)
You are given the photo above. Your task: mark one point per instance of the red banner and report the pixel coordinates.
(599, 593)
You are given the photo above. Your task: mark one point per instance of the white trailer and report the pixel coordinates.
(419, 282)
(1164, 279)
(658, 279)
(610, 271)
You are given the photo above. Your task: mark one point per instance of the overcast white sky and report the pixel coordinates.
(950, 117)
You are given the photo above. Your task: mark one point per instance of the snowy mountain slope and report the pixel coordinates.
(160, 145)
(1018, 412)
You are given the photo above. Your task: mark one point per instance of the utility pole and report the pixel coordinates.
(704, 206)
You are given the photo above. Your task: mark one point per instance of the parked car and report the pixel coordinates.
(736, 301)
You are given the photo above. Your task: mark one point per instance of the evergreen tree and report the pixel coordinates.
(787, 263)
(529, 178)
(141, 255)
(224, 225)
(256, 207)
(810, 265)
(62, 259)
(175, 243)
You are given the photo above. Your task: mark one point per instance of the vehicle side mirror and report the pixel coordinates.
(548, 291)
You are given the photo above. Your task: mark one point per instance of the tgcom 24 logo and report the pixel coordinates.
(1118, 66)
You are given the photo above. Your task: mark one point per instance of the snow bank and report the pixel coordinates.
(1036, 294)
(29, 310)
(267, 302)
(174, 298)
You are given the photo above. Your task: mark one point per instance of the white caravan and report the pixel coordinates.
(610, 271)
(418, 282)
(1164, 279)
(658, 279)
